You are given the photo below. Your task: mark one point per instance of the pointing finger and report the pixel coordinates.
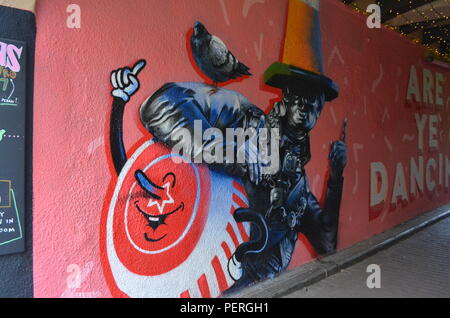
(138, 67)
(344, 133)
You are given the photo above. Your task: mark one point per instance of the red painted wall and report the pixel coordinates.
(72, 171)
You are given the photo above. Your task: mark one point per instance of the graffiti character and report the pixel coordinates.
(281, 204)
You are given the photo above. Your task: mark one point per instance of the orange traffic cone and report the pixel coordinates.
(301, 69)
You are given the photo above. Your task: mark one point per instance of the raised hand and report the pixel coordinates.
(338, 156)
(125, 82)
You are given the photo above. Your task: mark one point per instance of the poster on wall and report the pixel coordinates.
(12, 145)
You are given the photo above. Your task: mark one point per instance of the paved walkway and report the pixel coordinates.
(418, 266)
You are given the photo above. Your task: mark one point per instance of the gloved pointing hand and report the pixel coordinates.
(338, 156)
(125, 81)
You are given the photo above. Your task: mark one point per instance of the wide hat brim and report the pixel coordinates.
(282, 75)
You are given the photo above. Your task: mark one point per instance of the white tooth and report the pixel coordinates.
(153, 219)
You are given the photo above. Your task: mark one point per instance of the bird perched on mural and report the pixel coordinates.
(213, 57)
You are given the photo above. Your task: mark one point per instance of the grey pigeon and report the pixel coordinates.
(213, 57)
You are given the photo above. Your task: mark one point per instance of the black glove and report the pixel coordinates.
(338, 157)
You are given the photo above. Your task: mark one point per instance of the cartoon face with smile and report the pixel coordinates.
(159, 211)
(156, 215)
(159, 198)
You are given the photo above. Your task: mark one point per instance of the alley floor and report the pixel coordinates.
(418, 266)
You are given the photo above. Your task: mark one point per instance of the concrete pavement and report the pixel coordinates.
(418, 266)
(414, 259)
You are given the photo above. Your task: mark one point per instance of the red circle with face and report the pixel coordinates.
(160, 215)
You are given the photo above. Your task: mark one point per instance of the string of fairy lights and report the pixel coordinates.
(429, 16)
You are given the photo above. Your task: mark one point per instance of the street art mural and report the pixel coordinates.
(163, 213)
(216, 144)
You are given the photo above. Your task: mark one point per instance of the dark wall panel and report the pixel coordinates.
(16, 270)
